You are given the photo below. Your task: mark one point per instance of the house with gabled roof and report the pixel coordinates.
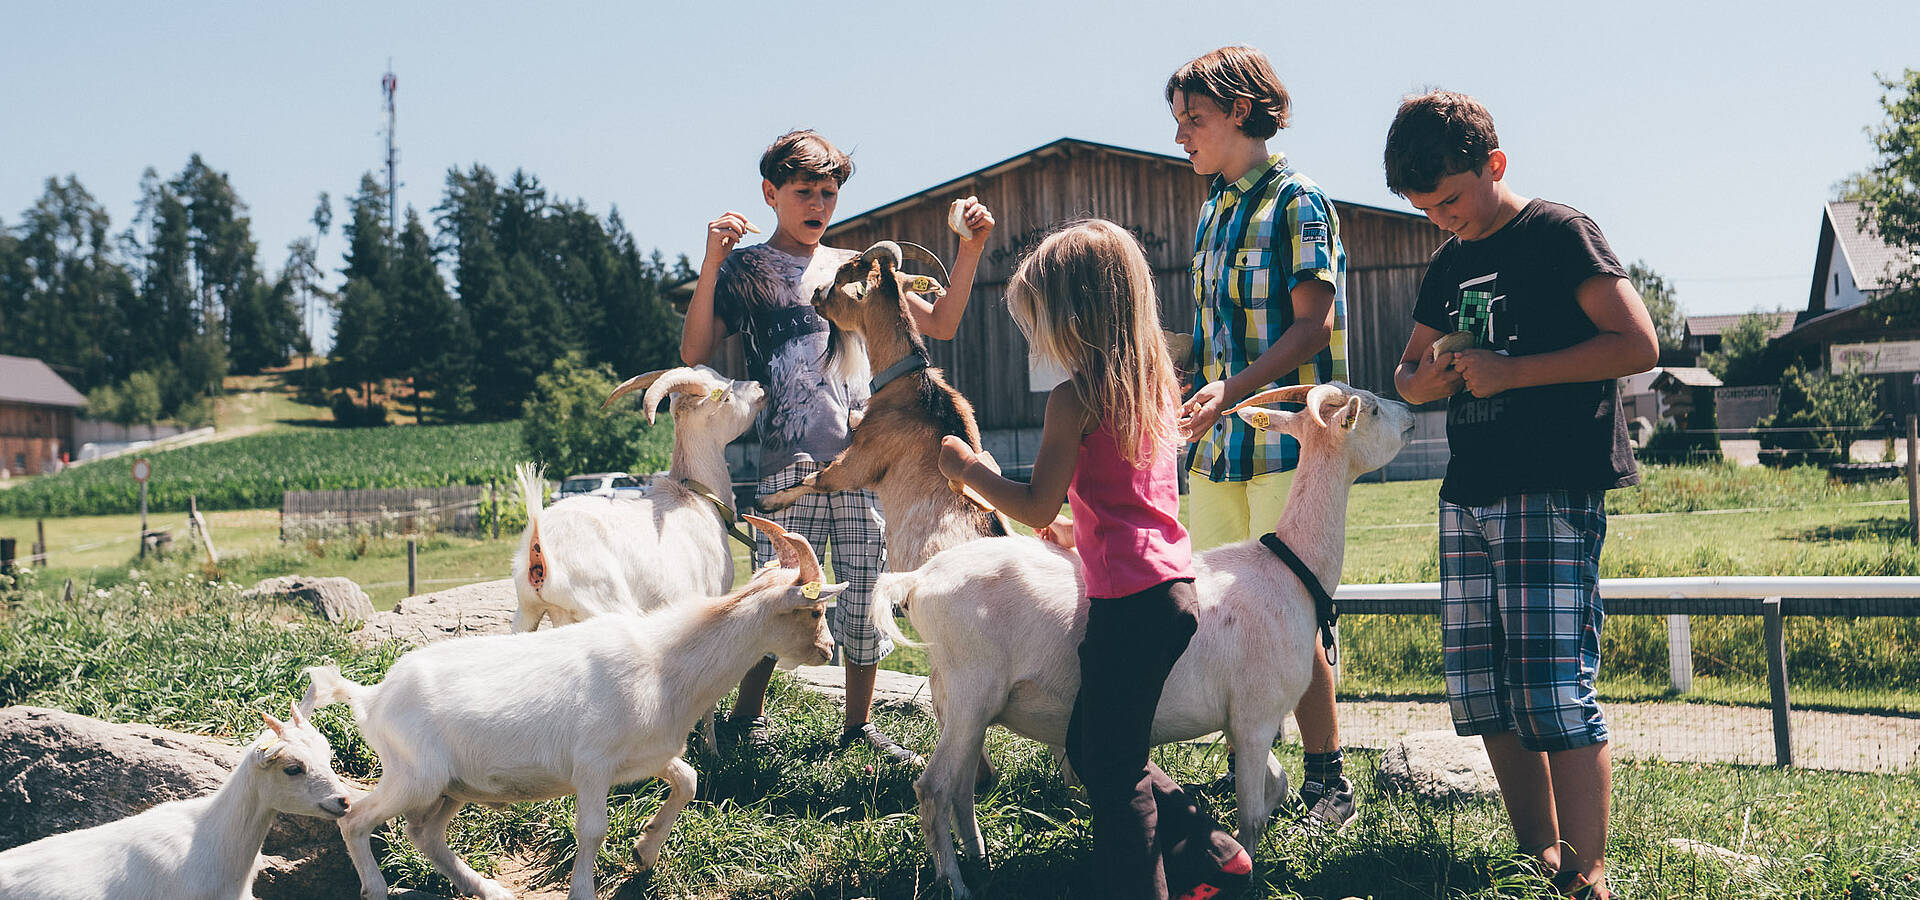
(37, 409)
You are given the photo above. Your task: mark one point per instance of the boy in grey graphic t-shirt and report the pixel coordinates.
(765, 293)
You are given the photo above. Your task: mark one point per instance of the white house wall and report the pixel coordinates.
(1840, 288)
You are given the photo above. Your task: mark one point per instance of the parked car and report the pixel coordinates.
(601, 484)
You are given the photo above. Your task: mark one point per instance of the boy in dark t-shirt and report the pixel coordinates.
(1539, 321)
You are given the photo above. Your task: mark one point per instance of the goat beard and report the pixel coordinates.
(847, 356)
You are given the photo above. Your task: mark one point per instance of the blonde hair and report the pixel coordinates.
(1084, 299)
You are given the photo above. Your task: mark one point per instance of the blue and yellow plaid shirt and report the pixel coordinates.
(1259, 237)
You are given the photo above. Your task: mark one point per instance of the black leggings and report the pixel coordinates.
(1139, 813)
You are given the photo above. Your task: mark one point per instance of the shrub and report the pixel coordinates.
(566, 431)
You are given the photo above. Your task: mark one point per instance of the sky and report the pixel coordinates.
(1703, 137)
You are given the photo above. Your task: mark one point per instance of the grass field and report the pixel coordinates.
(805, 821)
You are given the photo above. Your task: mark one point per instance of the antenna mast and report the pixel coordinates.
(388, 84)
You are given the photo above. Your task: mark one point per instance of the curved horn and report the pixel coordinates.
(1293, 393)
(787, 557)
(1318, 396)
(684, 380)
(922, 254)
(809, 564)
(887, 247)
(636, 383)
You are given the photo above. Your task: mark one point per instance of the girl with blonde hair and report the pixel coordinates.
(1109, 448)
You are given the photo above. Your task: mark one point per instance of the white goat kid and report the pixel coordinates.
(205, 848)
(1001, 626)
(571, 710)
(586, 556)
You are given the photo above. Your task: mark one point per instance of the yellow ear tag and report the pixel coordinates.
(810, 590)
(921, 284)
(1258, 418)
(717, 394)
(266, 745)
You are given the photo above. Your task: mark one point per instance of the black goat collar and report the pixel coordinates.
(912, 362)
(1324, 610)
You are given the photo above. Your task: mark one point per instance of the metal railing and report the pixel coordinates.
(1772, 598)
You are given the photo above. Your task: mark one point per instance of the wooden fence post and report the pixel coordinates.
(1777, 680)
(6, 554)
(40, 545)
(413, 568)
(493, 503)
(1913, 475)
(1680, 653)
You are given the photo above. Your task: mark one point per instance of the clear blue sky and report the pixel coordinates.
(1703, 137)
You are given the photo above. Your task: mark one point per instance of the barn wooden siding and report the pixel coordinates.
(1158, 198)
(31, 434)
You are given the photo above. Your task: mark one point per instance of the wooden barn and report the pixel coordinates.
(1158, 197)
(37, 408)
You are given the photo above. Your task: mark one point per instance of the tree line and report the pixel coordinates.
(466, 311)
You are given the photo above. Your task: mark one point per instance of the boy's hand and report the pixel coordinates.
(1060, 533)
(1201, 410)
(724, 232)
(1485, 372)
(979, 219)
(1436, 378)
(955, 457)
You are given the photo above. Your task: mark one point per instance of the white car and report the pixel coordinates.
(601, 484)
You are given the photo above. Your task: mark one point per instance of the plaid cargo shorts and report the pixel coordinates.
(1521, 614)
(850, 521)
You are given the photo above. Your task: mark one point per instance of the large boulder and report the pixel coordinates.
(1438, 767)
(338, 600)
(487, 607)
(61, 772)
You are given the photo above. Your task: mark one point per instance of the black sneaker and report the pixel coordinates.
(754, 735)
(879, 741)
(1327, 806)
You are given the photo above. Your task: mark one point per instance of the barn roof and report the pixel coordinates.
(24, 380)
(1700, 326)
(1044, 151)
(1689, 376)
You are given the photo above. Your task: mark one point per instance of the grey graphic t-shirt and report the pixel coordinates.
(767, 295)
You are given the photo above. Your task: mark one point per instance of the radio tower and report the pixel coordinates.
(388, 84)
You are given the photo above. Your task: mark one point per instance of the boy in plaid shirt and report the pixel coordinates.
(1536, 437)
(1269, 294)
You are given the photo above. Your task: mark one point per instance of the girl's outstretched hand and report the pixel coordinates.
(955, 457)
(1060, 533)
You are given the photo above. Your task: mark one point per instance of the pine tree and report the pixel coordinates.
(358, 356)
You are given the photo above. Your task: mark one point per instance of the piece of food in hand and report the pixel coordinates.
(749, 226)
(1452, 343)
(957, 218)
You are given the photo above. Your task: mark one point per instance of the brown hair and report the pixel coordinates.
(1084, 299)
(1435, 135)
(1237, 73)
(804, 154)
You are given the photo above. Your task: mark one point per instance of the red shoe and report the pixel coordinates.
(1232, 875)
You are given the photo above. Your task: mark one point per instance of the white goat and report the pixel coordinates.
(571, 710)
(205, 848)
(1001, 626)
(599, 555)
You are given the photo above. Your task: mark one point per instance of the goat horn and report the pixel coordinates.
(788, 557)
(887, 247)
(926, 256)
(636, 383)
(1317, 397)
(1293, 393)
(809, 564)
(684, 380)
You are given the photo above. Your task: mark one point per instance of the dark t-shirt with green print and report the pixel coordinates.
(1515, 290)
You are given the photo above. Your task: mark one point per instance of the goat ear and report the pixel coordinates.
(919, 284)
(1352, 414)
(1269, 419)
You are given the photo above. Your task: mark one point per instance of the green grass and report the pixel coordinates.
(805, 821)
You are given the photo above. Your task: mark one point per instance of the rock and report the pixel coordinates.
(896, 690)
(487, 607)
(61, 772)
(338, 600)
(1740, 863)
(1437, 766)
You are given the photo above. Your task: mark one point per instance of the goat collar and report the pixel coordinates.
(726, 512)
(911, 362)
(1324, 610)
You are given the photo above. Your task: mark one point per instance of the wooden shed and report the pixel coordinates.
(36, 415)
(1156, 196)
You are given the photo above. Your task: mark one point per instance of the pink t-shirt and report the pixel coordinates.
(1126, 521)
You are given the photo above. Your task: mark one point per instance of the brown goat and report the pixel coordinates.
(895, 447)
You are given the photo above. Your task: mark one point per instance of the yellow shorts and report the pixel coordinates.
(1227, 512)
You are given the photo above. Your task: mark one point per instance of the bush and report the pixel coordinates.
(350, 414)
(566, 431)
